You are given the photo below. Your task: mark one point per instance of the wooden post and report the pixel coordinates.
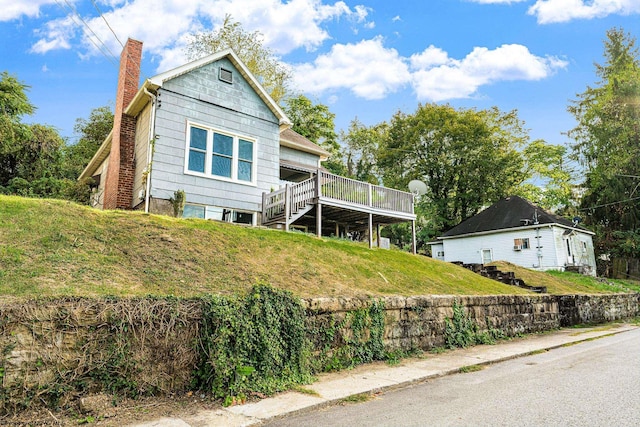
(370, 230)
(264, 207)
(319, 219)
(318, 204)
(337, 230)
(287, 206)
(413, 237)
(378, 233)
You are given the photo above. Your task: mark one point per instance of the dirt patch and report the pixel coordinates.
(123, 413)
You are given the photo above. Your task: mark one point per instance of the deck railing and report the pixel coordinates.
(365, 194)
(273, 205)
(293, 198)
(302, 193)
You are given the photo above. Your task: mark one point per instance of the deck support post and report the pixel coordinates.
(337, 229)
(287, 206)
(318, 204)
(413, 237)
(370, 231)
(378, 234)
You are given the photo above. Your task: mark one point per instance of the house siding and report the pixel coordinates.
(293, 155)
(97, 197)
(469, 249)
(552, 250)
(141, 155)
(201, 98)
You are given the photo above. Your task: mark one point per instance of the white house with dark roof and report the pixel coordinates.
(517, 231)
(209, 128)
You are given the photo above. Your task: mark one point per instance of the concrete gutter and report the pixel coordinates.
(379, 377)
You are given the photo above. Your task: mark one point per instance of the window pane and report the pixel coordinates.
(221, 166)
(244, 171)
(214, 213)
(193, 211)
(198, 138)
(245, 150)
(196, 161)
(242, 217)
(222, 144)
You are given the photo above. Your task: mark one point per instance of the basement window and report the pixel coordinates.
(226, 76)
(218, 214)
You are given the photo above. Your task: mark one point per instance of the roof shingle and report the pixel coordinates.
(511, 212)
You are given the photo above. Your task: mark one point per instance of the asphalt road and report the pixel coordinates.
(596, 383)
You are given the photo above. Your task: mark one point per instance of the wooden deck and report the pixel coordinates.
(336, 199)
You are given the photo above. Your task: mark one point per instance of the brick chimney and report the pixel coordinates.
(118, 190)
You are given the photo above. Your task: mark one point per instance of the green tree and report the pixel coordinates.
(607, 141)
(14, 104)
(467, 158)
(260, 60)
(40, 156)
(91, 132)
(550, 180)
(362, 147)
(316, 123)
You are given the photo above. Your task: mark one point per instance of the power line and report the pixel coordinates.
(73, 12)
(111, 57)
(610, 204)
(106, 22)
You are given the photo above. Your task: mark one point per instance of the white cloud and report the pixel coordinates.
(15, 9)
(162, 26)
(436, 77)
(430, 57)
(553, 11)
(367, 69)
(58, 33)
(372, 71)
(497, 1)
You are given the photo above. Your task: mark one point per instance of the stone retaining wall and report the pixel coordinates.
(41, 341)
(419, 322)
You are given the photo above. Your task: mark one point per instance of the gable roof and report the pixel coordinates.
(155, 82)
(509, 213)
(142, 98)
(292, 139)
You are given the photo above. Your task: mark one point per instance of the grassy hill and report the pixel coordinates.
(53, 248)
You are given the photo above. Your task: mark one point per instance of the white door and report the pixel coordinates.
(486, 256)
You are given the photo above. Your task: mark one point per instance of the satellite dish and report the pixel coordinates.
(418, 188)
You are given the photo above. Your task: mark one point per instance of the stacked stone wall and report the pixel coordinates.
(75, 342)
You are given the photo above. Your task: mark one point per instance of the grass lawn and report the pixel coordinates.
(58, 248)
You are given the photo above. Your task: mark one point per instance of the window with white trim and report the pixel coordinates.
(218, 213)
(521, 243)
(221, 155)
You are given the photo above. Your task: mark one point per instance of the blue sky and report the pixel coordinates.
(364, 58)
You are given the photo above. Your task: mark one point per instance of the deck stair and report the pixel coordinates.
(508, 277)
(289, 204)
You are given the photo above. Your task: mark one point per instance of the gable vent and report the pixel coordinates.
(226, 76)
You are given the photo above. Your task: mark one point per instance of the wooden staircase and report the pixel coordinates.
(509, 277)
(290, 203)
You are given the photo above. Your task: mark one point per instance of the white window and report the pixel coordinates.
(221, 155)
(521, 244)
